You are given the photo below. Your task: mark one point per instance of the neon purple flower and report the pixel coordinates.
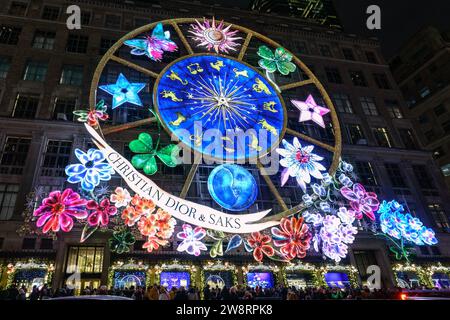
(191, 240)
(101, 212)
(361, 201)
(58, 210)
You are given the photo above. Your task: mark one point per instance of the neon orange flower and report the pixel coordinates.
(144, 206)
(153, 243)
(147, 225)
(130, 216)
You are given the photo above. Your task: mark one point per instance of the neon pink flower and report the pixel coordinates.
(261, 245)
(361, 201)
(58, 210)
(101, 212)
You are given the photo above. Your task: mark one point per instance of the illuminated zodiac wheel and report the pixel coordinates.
(200, 76)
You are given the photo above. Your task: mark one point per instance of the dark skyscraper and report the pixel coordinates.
(322, 11)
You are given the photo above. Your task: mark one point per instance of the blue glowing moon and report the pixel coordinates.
(232, 187)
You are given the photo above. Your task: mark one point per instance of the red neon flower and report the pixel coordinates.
(95, 115)
(153, 243)
(58, 210)
(101, 212)
(293, 238)
(261, 245)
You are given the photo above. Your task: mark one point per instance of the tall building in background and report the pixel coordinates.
(320, 11)
(422, 70)
(46, 72)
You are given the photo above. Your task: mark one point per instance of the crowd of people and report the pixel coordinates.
(157, 292)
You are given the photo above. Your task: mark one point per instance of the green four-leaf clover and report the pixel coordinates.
(145, 157)
(280, 61)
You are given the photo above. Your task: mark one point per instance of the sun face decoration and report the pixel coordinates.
(214, 36)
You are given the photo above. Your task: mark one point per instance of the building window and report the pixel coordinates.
(424, 92)
(46, 244)
(343, 103)
(382, 137)
(77, 43)
(446, 126)
(366, 173)
(439, 110)
(139, 22)
(85, 260)
(56, 158)
(35, 71)
(348, 54)
(381, 80)
(50, 13)
(72, 75)
(64, 109)
(25, 106)
(29, 243)
(368, 106)
(105, 45)
(355, 134)
(85, 18)
(5, 63)
(44, 40)
(325, 50)
(430, 136)
(18, 8)
(8, 196)
(408, 139)
(333, 75)
(439, 217)
(371, 57)
(423, 177)
(302, 47)
(358, 78)
(395, 175)
(423, 118)
(9, 35)
(14, 155)
(113, 21)
(393, 109)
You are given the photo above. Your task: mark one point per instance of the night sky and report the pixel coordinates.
(400, 19)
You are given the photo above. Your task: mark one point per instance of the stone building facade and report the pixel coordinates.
(421, 69)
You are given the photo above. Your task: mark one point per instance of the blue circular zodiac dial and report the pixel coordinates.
(220, 107)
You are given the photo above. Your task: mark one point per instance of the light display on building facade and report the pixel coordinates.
(222, 108)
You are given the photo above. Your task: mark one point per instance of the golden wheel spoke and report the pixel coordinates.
(134, 66)
(127, 126)
(296, 84)
(191, 175)
(245, 46)
(182, 37)
(271, 186)
(311, 140)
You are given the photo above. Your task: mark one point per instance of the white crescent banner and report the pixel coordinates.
(181, 209)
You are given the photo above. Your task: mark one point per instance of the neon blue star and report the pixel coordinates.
(123, 91)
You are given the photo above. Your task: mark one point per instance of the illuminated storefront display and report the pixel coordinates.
(218, 105)
(29, 274)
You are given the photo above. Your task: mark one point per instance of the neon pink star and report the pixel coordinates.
(309, 110)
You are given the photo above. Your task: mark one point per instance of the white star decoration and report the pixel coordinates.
(309, 110)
